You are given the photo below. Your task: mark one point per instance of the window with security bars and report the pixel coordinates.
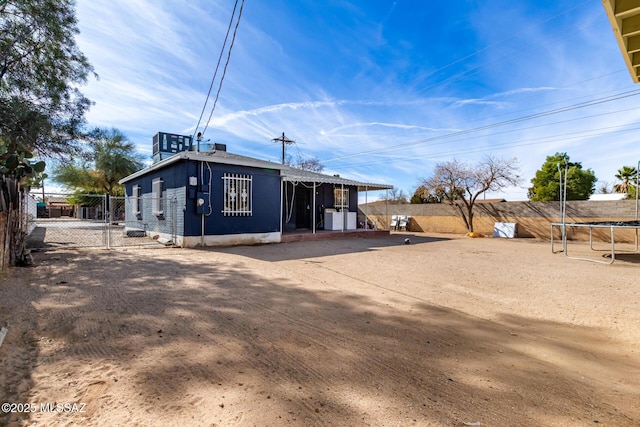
(237, 194)
(341, 197)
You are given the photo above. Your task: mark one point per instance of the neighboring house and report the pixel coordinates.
(612, 196)
(219, 198)
(56, 207)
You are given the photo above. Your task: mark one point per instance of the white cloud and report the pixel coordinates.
(356, 86)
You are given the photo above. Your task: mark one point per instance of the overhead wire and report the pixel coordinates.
(532, 108)
(215, 73)
(467, 73)
(521, 143)
(623, 95)
(581, 82)
(224, 71)
(367, 162)
(477, 69)
(459, 76)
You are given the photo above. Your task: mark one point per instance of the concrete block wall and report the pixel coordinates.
(533, 218)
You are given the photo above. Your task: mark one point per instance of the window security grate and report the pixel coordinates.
(237, 194)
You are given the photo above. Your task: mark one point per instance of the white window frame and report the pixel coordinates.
(341, 198)
(156, 194)
(237, 194)
(137, 199)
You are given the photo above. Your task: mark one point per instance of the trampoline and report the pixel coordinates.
(612, 226)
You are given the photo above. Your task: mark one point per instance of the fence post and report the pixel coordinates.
(7, 256)
(4, 227)
(106, 199)
(174, 221)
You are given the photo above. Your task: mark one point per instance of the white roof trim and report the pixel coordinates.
(287, 173)
(222, 157)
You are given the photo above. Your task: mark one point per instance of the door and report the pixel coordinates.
(303, 207)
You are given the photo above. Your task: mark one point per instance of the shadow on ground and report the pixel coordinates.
(323, 248)
(249, 345)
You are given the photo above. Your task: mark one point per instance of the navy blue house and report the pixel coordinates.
(204, 198)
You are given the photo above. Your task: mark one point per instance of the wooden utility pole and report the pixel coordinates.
(285, 141)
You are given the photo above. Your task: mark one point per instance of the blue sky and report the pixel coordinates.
(379, 91)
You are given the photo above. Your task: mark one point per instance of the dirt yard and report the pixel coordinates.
(446, 331)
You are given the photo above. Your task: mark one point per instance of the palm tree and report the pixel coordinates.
(112, 157)
(627, 174)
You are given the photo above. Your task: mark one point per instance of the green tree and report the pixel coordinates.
(111, 157)
(41, 109)
(422, 195)
(626, 174)
(546, 183)
(460, 184)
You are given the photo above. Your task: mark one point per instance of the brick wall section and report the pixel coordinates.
(533, 218)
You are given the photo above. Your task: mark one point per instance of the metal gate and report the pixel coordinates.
(134, 221)
(59, 220)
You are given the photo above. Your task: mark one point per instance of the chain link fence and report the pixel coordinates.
(141, 221)
(89, 220)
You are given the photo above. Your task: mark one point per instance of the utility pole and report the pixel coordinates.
(285, 141)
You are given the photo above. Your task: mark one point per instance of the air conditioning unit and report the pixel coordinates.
(167, 144)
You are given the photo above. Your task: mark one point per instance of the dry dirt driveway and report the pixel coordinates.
(446, 331)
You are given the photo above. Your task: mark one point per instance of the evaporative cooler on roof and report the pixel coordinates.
(167, 144)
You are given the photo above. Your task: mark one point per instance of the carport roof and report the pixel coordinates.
(290, 174)
(624, 16)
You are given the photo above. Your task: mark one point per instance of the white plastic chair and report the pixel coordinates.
(394, 222)
(403, 221)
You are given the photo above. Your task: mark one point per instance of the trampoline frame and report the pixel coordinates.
(611, 225)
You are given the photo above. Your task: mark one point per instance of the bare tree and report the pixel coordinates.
(459, 184)
(311, 164)
(604, 187)
(396, 196)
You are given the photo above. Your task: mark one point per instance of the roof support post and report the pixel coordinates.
(366, 202)
(344, 214)
(202, 219)
(313, 207)
(386, 210)
(281, 207)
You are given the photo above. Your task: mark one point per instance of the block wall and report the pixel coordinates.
(533, 218)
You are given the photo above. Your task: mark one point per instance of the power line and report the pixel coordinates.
(467, 73)
(215, 73)
(522, 143)
(581, 82)
(544, 125)
(623, 95)
(224, 71)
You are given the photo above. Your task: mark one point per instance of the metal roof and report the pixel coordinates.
(291, 174)
(222, 157)
(288, 173)
(624, 16)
